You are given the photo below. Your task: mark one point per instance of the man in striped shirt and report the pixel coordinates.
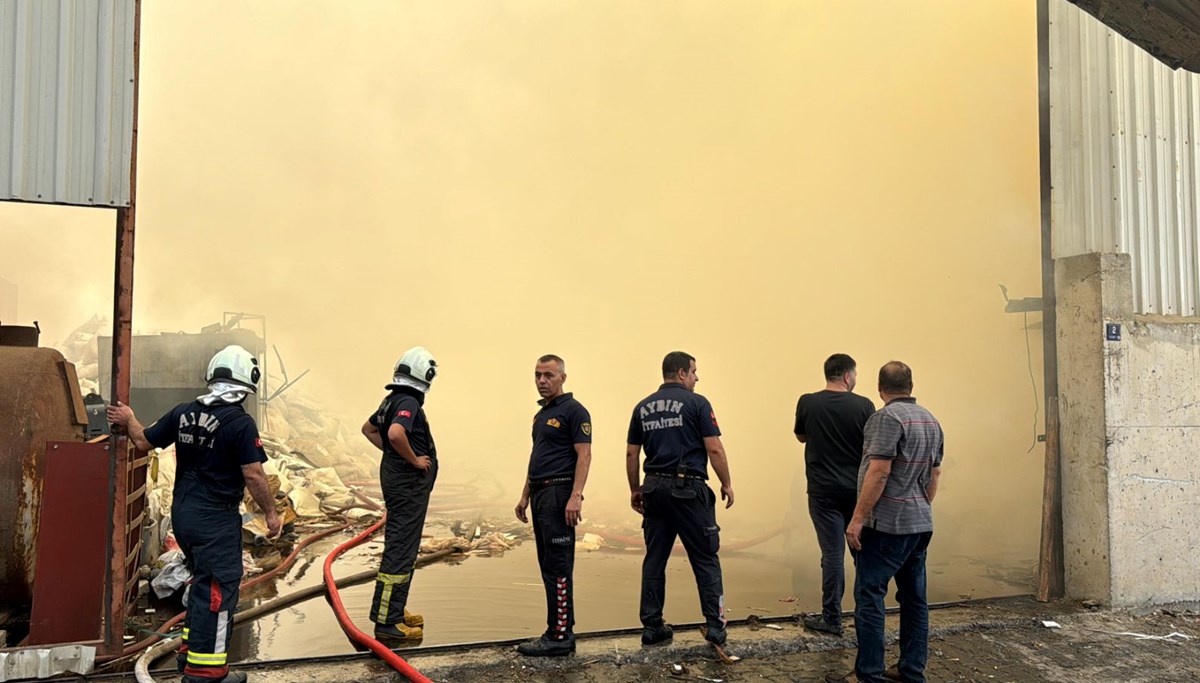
(892, 526)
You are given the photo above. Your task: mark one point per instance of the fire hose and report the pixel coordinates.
(394, 660)
(166, 647)
(173, 621)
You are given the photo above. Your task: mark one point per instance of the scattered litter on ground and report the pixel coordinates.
(1051, 624)
(1170, 637)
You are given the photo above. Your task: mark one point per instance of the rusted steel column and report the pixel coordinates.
(114, 613)
(1050, 575)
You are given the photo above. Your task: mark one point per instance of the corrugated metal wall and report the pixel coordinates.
(1125, 173)
(66, 101)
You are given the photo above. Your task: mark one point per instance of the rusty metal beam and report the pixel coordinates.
(1050, 573)
(116, 574)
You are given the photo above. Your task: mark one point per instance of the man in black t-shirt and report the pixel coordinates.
(678, 429)
(558, 470)
(830, 425)
(407, 472)
(218, 453)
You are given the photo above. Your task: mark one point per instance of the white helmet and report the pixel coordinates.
(416, 368)
(234, 364)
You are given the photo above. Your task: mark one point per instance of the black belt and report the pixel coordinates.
(543, 483)
(665, 475)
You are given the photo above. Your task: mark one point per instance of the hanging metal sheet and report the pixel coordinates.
(1125, 168)
(66, 101)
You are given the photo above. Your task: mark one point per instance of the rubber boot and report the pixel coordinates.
(413, 619)
(231, 677)
(397, 633)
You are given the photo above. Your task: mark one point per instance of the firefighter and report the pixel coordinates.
(558, 470)
(678, 429)
(218, 453)
(407, 472)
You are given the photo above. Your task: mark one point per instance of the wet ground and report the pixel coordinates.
(983, 641)
(499, 598)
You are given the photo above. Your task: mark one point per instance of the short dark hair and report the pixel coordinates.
(551, 358)
(675, 361)
(839, 364)
(895, 378)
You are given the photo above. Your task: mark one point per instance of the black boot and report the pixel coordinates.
(231, 677)
(398, 634)
(658, 635)
(816, 622)
(716, 636)
(547, 647)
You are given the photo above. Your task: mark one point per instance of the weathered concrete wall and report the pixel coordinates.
(1130, 430)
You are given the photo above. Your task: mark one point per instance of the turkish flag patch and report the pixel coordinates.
(403, 413)
(713, 416)
(258, 443)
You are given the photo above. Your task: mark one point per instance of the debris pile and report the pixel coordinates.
(292, 424)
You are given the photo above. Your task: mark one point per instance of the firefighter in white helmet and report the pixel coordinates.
(218, 453)
(407, 472)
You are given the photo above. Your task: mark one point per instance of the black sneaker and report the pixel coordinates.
(716, 636)
(547, 647)
(658, 635)
(815, 622)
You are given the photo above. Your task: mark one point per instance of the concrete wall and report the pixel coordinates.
(1130, 432)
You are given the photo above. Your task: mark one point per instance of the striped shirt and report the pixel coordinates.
(912, 439)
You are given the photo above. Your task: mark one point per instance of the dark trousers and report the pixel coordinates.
(210, 536)
(882, 558)
(556, 555)
(831, 514)
(406, 493)
(689, 513)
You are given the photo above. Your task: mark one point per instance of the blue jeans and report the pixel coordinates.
(882, 558)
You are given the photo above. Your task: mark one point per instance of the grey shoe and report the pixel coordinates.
(815, 622)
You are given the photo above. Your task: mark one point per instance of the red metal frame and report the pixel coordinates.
(125, 472)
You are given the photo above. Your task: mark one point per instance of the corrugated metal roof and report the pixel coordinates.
(1124, 163)
(1167, 29)
(66, 101)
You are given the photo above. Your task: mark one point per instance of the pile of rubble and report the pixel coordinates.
(294, 425)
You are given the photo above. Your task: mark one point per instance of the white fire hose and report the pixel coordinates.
(141, 670)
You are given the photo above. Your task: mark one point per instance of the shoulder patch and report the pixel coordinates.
(586, 428)
(712, 415)
(258, 442)
(404, 413)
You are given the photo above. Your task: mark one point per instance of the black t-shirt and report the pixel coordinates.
(404, 407)
(557, 427)
(211, 445)
(832, 424)
(671, 424)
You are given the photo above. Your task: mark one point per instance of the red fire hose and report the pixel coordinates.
(173, 621)
(394, 660)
